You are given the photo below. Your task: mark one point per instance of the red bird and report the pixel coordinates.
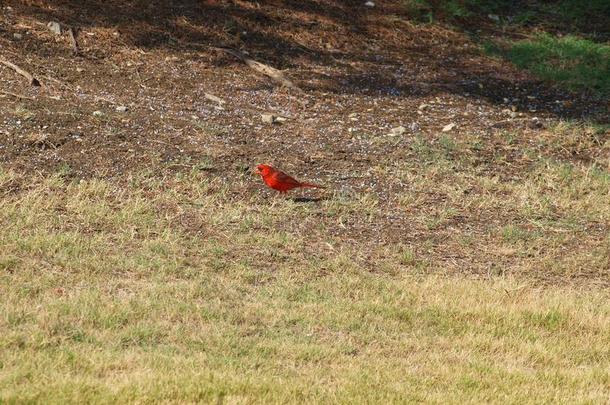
(279, 180)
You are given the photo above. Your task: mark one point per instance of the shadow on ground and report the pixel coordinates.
(368, 51)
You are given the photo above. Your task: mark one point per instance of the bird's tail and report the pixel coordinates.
(310, 185)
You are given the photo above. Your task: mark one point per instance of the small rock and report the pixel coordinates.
(423, 107)
(80, 70)
(414, 127)
(536, 121)
(98, 113)
(369, 4)
(54, 27)
(494, 17)
(449, 127)
(17, 35)
(268, 118)
(510, 113)
(398, 130)
(122, 108)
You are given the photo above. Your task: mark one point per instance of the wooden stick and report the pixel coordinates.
(214, 98)
(33, 81)
(8, 93)
(267, 70)
(72, 37)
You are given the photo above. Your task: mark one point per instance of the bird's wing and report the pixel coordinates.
(282, 177)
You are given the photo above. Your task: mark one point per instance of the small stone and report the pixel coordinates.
(535, 123)
(398, 130)
(510, 113)
(98, 113)
(414, 127)
(494, 17)
(80, 70)
(449, 127)
(17, 35)
(268, 118)
(122, 108)
(422, 107)
(54, 27)
(369, 4)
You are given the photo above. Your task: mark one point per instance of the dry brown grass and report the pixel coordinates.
(179, 290)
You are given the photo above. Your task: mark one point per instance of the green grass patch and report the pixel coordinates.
(573, 63)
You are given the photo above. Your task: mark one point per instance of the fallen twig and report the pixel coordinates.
(267, 70)
(33, 81)
(214, 98)
(8, 93)
(73, 41)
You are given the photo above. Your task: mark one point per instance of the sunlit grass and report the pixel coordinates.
(180, 289)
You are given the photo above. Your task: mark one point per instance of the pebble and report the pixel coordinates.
(369, 4)
(122, 108)
(398, 130)
(510, 113)
(449, 127)
(98, 113)
(54, 27)
(268, 118)
(17, 35)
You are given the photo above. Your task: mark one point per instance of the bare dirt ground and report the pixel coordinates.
(134, 100)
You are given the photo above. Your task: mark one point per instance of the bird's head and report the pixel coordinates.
(263, 170)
